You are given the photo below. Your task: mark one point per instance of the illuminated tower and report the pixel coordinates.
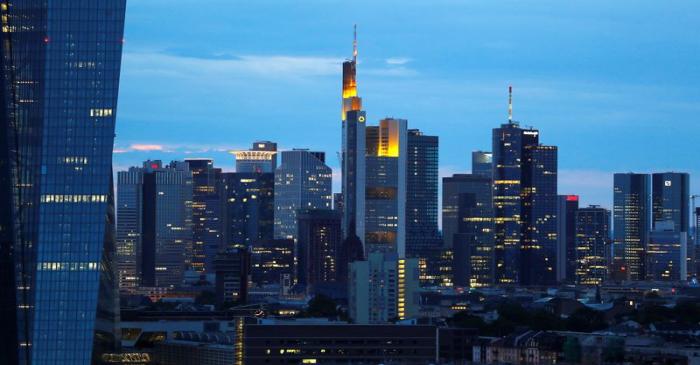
(353, 153)
(525, 205)
(58, 107)
(631, 224)
(262, 158)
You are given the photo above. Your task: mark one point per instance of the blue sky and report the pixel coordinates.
(614, 84)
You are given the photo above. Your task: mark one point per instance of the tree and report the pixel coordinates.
(586, 320)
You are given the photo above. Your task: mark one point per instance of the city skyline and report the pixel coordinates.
(442, 84)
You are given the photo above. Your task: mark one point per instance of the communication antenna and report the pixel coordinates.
(354, 44)
(510, 103)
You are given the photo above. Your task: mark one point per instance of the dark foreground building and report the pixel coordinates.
(334, 343)
(60, 62)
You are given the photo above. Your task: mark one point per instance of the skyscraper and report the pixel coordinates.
(422, 236)
(248, 208)
(232, 267)
(631, 223)
(353, 153)
(154, 240)
(302, 181)
(468, 228)
(566, 237)
(61, 63)
(385, 190)
(667, 250)
(525, 206)
(319, 251)
(261, 158)
(482, 163)
(206, 214)
(592, 228)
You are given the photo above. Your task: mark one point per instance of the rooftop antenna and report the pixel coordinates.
(354, 44)
(510, 103)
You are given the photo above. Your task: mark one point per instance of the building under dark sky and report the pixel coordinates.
(592, 239)
(566, 237)
(248, 208)
(57, 125)
(525, 205)
(206, 214)
(319, 251)
(631, 223)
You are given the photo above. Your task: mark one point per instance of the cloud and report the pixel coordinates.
(139, 147)
(397, 60)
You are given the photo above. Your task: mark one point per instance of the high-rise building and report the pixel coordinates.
(154, 240)
(671, 200)
(467, 225)
(666, 253)
(422, 233)
(592, 240)
(566, 238)
(482, 163)
(248, 208)
(302, 181)
(261, 158)
(525, 206)
(385, 189)
(270, 261)
(61, 62)
(382, 288)
(206, 213)
(319, 251)
(667, 250)
(232, 267)
(353, 154)
(631, 224)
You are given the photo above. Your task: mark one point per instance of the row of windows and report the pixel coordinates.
(67, 266)
(68, 198)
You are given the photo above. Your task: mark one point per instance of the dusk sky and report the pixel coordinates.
(613, 84)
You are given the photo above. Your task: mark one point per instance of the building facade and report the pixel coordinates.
(248, 208)
(232, 267)
(383, 288)
(154, 240)
(592, 239)
(206, 213)
(525, 206)
(566, 237)
(482, 163)
(261, 158)
(302, 181)
(61, 63)
(319, 251)
(631, 223)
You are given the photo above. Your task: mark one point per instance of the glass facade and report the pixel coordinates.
(61, 62)
(566, 238)
(631, 224)
(206, 213)
(302, 181)
(248, 208)
(482, 163)
(592, 226)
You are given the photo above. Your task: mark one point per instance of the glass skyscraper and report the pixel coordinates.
(566, 237)
(482, 163)
(61, 62)
(248, 208)
(631, 224)
(592, 226)
(302, 181)
(206, 214)
(525, 206)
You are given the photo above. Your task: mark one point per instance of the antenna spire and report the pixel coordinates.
(510, 103)
(354, 43)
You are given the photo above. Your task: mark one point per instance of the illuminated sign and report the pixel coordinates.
(361, 118)
(667, 183)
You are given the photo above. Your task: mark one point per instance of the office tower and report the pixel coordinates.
(482, 163)
(566, 238)
(666, 253)
(382, 288)
(248, 208)
(261, 158)
(671, 200)
(422, 233)
(232, 267)
(473, 243)
(302, 181)
(60, 83)
(592, 240)
(270, 261)
(667, 250)
(353, 153)
(154, 240)
(525, 206)
(385, 189)
(467, 226)
(631, 224)
(206, 213)
(319, 249)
